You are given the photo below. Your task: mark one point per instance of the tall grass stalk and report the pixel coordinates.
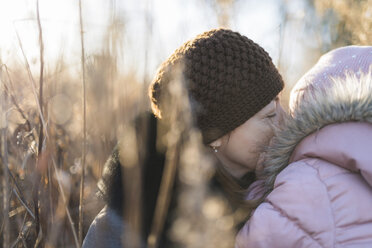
(4, 156)
(41, 131)
(83, 156)
(46, 135)
(32, 80)
(17, 190)
(165, 192)
(282, 30)
(41, 79)
(13, 99)
(62, 193)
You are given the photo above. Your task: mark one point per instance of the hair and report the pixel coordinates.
(113, 189)
(236, 188)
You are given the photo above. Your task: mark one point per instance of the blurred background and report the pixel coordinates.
(51, 52)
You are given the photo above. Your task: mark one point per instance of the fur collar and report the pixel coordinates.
(348, 99)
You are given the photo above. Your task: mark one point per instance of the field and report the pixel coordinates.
(74, 75)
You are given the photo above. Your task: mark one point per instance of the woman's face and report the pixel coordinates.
(241, 150)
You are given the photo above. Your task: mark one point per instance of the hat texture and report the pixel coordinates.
(228, 77)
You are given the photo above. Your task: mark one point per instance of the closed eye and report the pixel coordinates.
(271, 116)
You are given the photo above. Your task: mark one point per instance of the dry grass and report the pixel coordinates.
(56, 135)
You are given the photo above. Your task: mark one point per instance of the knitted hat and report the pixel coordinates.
(334, 64)
(229, 79)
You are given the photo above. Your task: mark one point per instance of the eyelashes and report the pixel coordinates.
(271, 116)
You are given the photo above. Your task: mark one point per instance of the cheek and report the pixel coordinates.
(243, 149)
(250, 137)
(258, 140)
(267, 134)
(246, 144)
(242, 144)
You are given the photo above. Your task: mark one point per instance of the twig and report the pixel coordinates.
(165, 191)
(46, 135)
(16, 211)
(24, 204)
(20, 195)
(148, 36)
(13, 99)
(41, 83)
(84, 128)
(282, 30)
(5, 181)
(65, 203)
(61, 191)
(50, 196)
(9, 173)
(33, 84)
(35, 192)
(20, 234)
(39, 238)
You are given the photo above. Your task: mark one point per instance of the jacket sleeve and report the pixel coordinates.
(356, 153)
(269, 228)
(348, 145)
(297, 213)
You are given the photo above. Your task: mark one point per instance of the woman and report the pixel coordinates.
(319, 167)
(232, 88)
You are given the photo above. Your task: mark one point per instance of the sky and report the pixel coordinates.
(151, 29)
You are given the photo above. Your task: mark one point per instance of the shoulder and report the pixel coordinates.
(297, 213)
(301, 193)
(105, 230)
(271, 227)
(298, 185)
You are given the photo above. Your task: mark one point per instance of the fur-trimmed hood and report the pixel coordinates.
(345, 100)
(317, 177)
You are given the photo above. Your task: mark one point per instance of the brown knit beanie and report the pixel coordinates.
(229, 78)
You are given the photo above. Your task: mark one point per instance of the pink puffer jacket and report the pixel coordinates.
(321, 170)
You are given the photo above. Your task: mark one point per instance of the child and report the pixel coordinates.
(319, 168)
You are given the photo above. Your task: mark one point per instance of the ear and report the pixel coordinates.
(216, 143)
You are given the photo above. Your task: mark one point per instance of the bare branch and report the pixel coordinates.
(61, 191)
(35, 192)
(13, 99)
(23, 203)
(84, 128)
(33, 84)
(4, 155)
(41, 78)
